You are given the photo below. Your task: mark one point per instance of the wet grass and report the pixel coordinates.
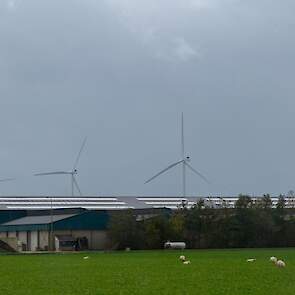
(211, 272)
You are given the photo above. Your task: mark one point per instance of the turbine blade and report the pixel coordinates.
(79, 154)
(198, 173)
(52, 173)
(7, 179)
(169, 167)
(77, 186)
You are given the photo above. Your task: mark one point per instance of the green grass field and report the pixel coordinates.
(149, 272)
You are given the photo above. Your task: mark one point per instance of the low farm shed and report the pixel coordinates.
(36, 233)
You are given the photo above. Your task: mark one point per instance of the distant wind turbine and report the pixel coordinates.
(184, 162)
(72, 172)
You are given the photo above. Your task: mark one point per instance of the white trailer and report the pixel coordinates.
(175, 245)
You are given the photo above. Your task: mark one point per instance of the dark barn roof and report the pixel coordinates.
(43, 219)
(88, 220)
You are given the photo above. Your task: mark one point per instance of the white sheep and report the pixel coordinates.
(85, 257)
(280, 263)
(186, 262)
(273, 259)
(182, 258)
(251, 259)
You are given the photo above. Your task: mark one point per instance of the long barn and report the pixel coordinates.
(45, 222)
(117, 202)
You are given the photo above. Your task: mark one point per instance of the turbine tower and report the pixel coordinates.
(72, 172)
(184, 162)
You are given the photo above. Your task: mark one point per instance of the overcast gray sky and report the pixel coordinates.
(122, 71)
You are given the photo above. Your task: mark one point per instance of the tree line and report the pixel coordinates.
(249, 224)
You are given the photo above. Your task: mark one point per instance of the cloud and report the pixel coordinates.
(184, 51)
(11, 4)
(169, 48)
(203, 4)
(147, 6)
(157, 25)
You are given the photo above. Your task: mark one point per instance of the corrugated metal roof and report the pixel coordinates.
(45, 219)
(114, 202)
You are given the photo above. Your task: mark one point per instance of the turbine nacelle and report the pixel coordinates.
(184, 162)
(72, 173)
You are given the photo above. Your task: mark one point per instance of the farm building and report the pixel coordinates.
(118, 202)
(59, 230)
(68, 223)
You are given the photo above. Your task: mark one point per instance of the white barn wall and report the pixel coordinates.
(34, 241)
(43, 239)
(99, 239)
(3, 234)
(22, 237)
(12, 234)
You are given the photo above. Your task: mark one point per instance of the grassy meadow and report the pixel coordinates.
(211, 272)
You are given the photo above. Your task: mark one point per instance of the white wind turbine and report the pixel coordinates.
(184, 162)
(72, 172)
